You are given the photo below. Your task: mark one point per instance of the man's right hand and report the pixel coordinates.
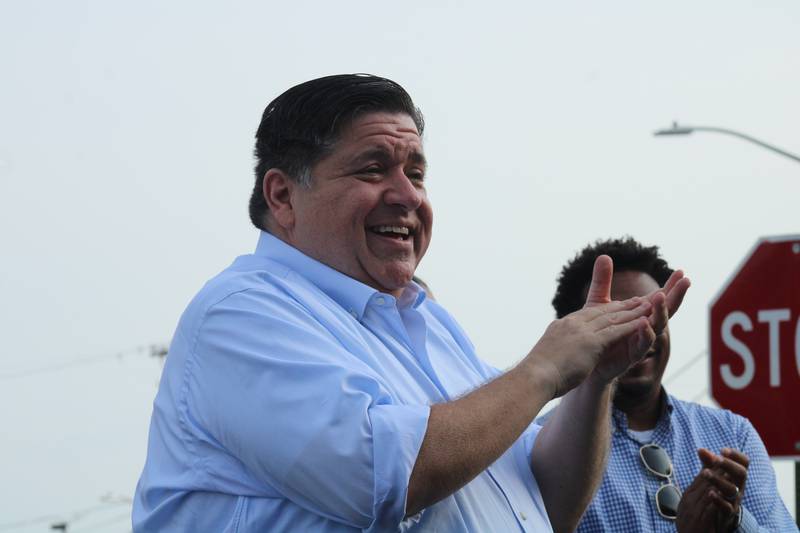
(571, 346)
(607, 337)
(614, 334)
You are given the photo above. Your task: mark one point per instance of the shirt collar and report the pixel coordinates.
(620, 419)
(350, 293)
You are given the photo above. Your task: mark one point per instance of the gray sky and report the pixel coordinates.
(126, 134)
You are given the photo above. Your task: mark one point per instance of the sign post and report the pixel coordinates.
(754, 342)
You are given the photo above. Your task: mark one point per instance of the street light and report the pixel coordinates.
(686, 130)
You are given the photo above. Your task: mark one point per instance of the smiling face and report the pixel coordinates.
(366, 213)
(642, 382)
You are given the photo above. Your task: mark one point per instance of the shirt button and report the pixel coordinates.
(522, 515)
(380, 300)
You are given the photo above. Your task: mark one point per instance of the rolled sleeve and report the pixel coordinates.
(304, 415)
(397, 433)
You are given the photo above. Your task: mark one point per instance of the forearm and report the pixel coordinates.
(570, 452)
(467, 435)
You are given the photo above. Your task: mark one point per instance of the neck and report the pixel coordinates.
(642, 413)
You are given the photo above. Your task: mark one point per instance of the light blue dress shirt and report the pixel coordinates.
(295, 398)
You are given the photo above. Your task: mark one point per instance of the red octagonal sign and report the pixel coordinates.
(755, 343)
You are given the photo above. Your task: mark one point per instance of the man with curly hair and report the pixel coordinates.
(673, 465)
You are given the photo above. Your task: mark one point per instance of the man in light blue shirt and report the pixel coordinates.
(312, 386)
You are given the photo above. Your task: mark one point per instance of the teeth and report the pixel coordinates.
(392, 229)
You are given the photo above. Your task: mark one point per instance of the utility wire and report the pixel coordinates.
(701, 394)
(111, 520)
(8, 526)
(155, 350)
(686, 366)
(108, 501)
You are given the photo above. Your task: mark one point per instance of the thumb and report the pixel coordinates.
(600, 288)
(707, 457)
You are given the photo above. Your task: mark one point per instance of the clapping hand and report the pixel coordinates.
(628, 350)
(605, 337)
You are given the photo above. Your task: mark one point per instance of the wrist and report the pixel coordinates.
(598, 388)
(600, 382)
(542, 375)
(737, 520)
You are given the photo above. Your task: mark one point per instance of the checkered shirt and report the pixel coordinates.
(626, 499)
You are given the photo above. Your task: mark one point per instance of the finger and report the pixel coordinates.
(708, 512)
(708, 458)
(728, 490)
(726, 507)
(675, 296)
(616, 332)
(674, 278)
(660, 316)
(736, 472)
(620, 317)
(590, 313)
(600, 287)
(642, 341)
(737, 456)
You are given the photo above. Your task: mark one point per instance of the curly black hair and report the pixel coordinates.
(627, 254)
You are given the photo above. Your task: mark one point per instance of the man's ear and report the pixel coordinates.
(277, 190)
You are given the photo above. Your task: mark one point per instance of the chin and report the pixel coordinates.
(632, 391)
(396, 277)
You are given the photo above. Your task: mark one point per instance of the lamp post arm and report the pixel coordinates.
(747, 138)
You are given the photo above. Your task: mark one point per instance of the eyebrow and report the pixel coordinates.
(417, 157)
(383, 155)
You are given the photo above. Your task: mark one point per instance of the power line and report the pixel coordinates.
(8, 526)
(686, 366)
(155, 350)
(701, 394)
(110, 520)
(108, 501)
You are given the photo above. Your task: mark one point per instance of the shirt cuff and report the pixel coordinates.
(748, 523)
(397, 433)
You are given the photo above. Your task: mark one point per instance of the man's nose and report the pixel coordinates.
(402, 190)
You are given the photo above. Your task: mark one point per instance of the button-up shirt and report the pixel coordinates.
(626, 498)
(295, 398)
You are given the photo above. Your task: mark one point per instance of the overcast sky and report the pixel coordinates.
(126, 134)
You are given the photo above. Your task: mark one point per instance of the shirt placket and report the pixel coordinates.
(651, 482)
(384, 320)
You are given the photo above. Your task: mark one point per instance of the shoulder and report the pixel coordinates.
(712, 419)
(251, 285)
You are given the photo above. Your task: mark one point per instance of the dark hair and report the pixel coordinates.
(627, 254)
(300, 127)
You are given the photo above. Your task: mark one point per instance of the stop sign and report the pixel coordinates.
(755, 343)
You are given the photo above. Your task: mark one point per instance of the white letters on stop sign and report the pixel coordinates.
(772, 317)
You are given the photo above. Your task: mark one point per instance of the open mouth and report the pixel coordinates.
(400, 233)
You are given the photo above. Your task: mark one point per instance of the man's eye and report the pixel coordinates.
(416, 175)
(371, 170)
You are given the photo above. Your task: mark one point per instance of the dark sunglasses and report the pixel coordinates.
(668, 496)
